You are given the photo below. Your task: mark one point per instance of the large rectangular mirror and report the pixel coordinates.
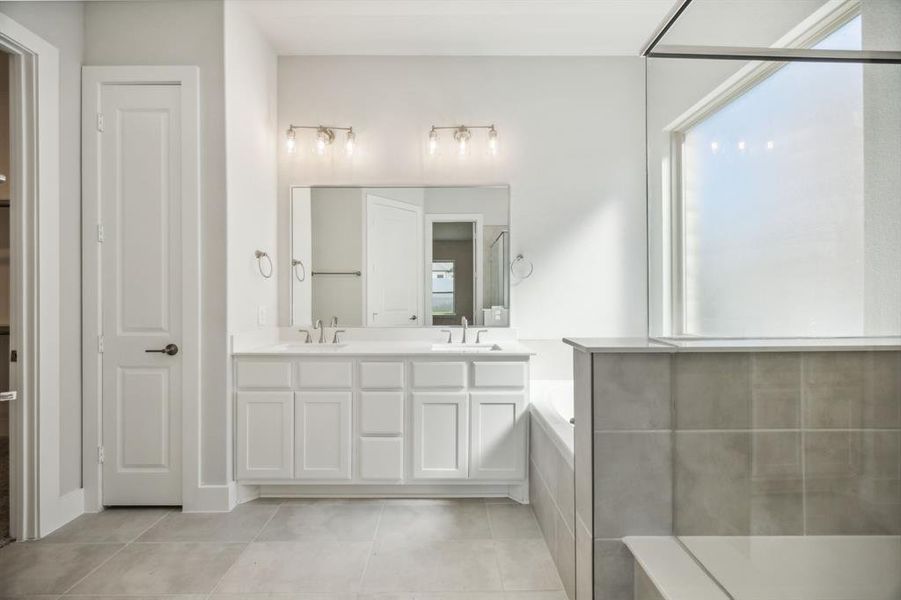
(400, 257)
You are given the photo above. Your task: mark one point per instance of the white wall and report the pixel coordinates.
(571, 148)
(62, 24)
(251, 170)
(187, 32)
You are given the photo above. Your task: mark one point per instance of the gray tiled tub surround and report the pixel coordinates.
(551, 482)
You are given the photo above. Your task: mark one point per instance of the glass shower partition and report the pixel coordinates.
(774, 211)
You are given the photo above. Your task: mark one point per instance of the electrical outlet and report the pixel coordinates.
(261, 316)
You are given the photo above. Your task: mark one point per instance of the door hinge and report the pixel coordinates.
(100, 122)
(100, 454)
(100, 232)
(99, 344)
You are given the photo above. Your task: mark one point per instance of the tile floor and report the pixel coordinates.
(304, 549)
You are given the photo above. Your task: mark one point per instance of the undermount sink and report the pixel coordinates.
(465, 348)
(301, 347)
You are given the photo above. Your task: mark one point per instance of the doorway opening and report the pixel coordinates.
(5, 151)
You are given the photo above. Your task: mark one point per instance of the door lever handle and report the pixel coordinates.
(170, 349)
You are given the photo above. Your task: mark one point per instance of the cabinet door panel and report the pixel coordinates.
(265, 435)
(381, 459)
(323, 435)
(440, 436)
(382, 375)
(498, 435)
(439, 374)
(324, 374)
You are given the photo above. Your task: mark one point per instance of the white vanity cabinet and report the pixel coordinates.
(427, 422)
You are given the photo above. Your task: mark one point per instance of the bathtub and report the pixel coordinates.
(552, 406)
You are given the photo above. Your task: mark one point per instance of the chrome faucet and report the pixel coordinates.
(309, 338)
(465, 325)
(321, 329)
(334, 322)
(337, 333)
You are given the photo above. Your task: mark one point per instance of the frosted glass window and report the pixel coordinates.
(773, 205)
(443, 288)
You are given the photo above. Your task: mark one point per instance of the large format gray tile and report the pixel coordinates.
(776, 486)
(527, 565)
(339, 520)
(288, 567)
(565, 494)
(852, 390)
(644, 587)
(632, 391)
(399, 565)
(542, 504)
(161, 568)
(776, 390)
(150, 597)
(853, 483)
(435, 520)
(633, 483)
(240, 525)
(512, 521)
(543, 453)
(119, 525)
(712, 391)
(711, 489)
(613, 570)
(28, 568)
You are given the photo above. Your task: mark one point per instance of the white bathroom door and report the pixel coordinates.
(141, 293)
(394, 259)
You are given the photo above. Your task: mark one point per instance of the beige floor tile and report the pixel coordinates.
(535, 596)
(270, 596)
(162, 568)
(240, 525)
(37, 568)
(150, 597)
(408, 565)
(527, 565)
(513, 521)
(427, 520)
(314, 566)
(345, 521)
(119, 525)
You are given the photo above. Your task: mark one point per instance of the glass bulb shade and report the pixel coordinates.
(291, 141)
(433, 142)
(492, 141)
(462, 138)
(319, 146)
(351, 144)
(324, 137)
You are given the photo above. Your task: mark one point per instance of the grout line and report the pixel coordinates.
(243, 550)
(375, 538)
(117, 552)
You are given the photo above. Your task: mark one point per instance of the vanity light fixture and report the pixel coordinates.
(463, 137)
(325, 135)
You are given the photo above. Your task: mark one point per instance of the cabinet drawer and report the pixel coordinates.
(382, 375)
(439, 374)
(321, 374)
(381, 413)
(273, 375)
(499, 374)
(382, 459)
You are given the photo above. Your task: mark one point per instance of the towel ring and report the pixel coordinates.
(521, 259)
(294, 264)
(266, 273)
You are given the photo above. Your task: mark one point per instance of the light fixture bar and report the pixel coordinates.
(325, 135)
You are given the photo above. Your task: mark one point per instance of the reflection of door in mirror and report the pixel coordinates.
(393, 263)
(301, 256)
(454, 272)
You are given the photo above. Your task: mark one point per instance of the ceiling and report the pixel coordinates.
(458, 27)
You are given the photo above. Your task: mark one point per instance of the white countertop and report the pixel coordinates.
(506, 349)
(680, 345)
